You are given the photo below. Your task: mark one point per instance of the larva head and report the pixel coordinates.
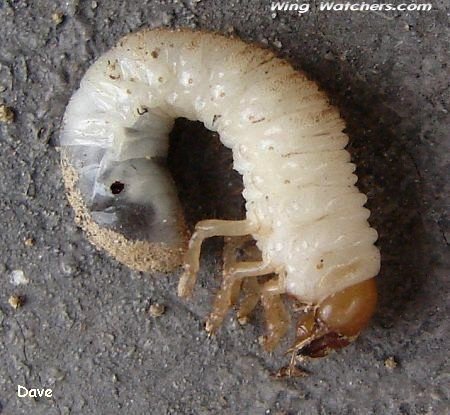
(337, 320)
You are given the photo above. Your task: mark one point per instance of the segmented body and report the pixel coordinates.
(287, 142)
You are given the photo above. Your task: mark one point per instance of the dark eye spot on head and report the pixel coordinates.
(117, 187)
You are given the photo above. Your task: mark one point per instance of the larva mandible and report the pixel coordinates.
(302, 205)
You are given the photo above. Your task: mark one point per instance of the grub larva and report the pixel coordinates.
(302, 206)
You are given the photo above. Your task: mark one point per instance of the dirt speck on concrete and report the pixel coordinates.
(390, 363)
(156, 310)
(6, 114)
(16, 301)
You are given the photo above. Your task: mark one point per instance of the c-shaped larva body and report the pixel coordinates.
(302, 205)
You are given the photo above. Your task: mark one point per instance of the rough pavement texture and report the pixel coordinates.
(84, 330)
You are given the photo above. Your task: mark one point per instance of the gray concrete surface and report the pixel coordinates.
(84, 330)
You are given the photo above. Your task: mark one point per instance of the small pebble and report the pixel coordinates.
(6, 114)
(277, 44)
(157, 310)
(58, 18)
(15, 301)
(29, 242)
(390, 363)
(17, 277)
(243, 320)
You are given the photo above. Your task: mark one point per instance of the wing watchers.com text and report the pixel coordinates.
(347, 6)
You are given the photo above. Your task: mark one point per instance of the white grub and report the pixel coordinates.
(287, 142)
(302, 206)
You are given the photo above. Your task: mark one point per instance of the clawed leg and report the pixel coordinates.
(203, 230)
(252, 294)
(250, 286)
(277, 317)
(223, 300)
(235, 275)
(231, 245)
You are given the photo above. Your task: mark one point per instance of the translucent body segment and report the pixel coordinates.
(299, 170)
(341, 269)
(310, 205)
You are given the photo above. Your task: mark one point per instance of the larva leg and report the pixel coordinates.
(223, 300)
(203, 230)
(250, 286)
(252, 295)
(229, 261)
(250, 252)
(277, 317)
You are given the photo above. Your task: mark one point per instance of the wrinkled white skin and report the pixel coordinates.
(287, 143)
